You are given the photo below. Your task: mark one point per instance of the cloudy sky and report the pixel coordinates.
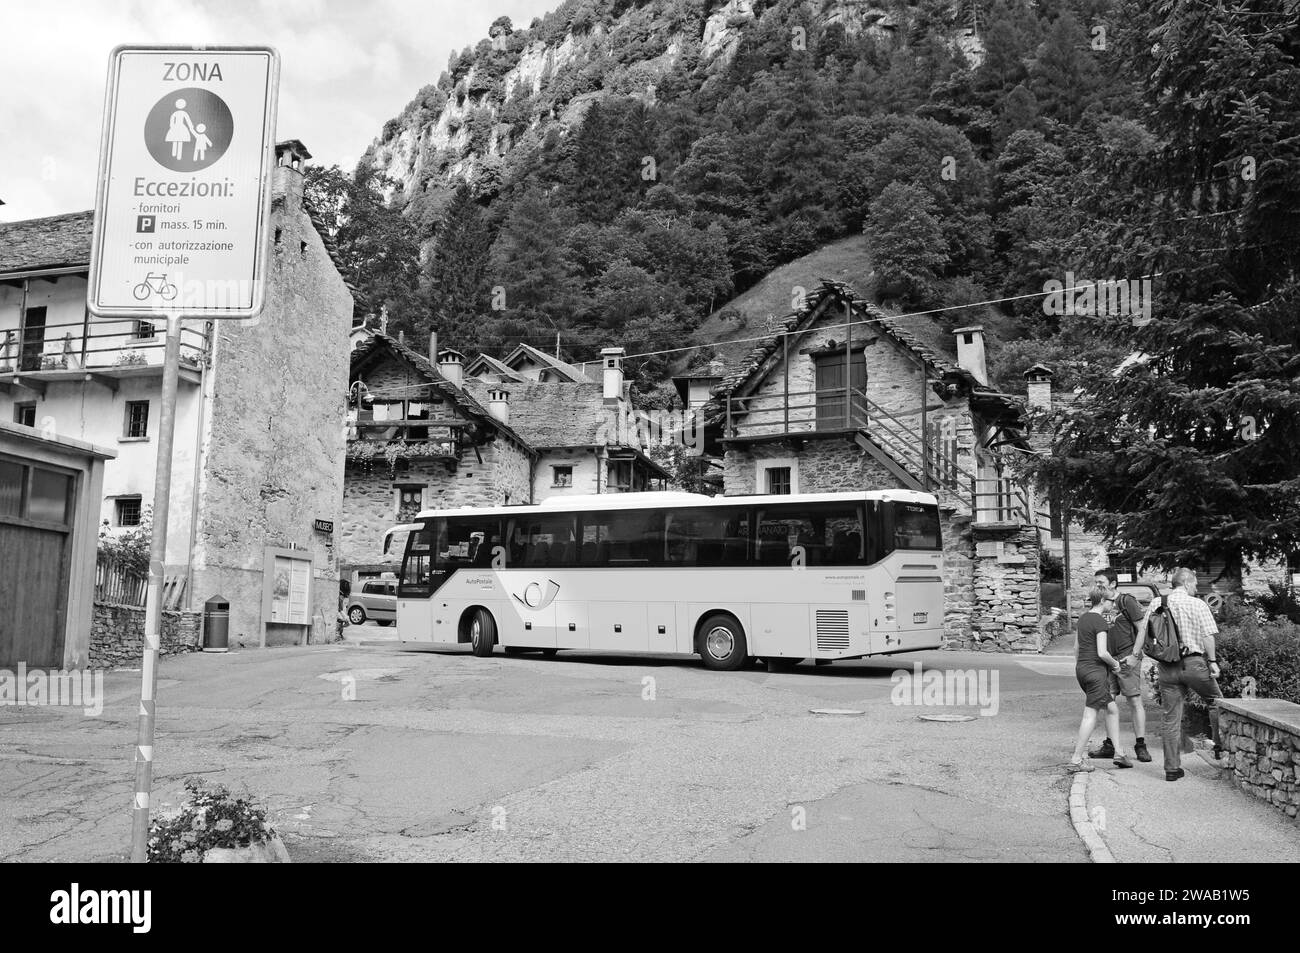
(347, 66)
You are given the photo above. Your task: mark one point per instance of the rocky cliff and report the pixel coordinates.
(516, 87)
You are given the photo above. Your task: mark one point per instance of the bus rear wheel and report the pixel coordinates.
(722, 643)
(482, 633)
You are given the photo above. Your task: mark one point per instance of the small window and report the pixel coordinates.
(410, 500)
(25, 414)
(137, 419)
(778, 481)
(143, 330)
(563, 476)
(127, 510)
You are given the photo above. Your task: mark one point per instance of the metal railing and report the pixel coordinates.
(999, 501)
(95, 345)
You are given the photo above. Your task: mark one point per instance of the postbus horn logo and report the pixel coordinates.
(535, 598)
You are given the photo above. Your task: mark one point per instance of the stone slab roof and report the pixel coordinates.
(378, 344)
(57, 241)
(554, 413)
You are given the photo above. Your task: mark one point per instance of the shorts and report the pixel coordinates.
(1129, 680)
(1095, 682)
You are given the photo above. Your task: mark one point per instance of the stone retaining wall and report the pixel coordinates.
(117, 635)
(1262, 739)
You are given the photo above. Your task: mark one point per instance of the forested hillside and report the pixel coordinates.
(620, 169)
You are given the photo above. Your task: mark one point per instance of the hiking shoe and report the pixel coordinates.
(1123, 762)
(1175, 774)
(1079, 768)
(1140, 749)
(1107, 750)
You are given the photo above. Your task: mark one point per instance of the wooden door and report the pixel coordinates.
(33, 339)
(830, 390)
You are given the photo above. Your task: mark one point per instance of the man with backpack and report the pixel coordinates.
(1125, 637)
(1182, 642)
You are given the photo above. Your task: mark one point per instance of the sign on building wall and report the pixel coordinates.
(183, 200)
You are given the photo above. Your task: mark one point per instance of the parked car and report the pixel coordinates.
(373, 599)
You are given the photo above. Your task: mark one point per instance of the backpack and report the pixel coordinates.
(1163, 642)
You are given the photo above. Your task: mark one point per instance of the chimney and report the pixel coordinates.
(290, 169)
(611, 358)
(433, 348)
(970, 352)
(499, 404)
(451, 365)
(1038, 384)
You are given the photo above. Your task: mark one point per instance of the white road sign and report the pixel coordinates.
(183, 201)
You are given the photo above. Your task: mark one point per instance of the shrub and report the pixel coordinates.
(210, 817)
(1268, 652)
(1280, 601)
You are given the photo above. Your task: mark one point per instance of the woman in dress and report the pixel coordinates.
(179, 129)
(1092, 667)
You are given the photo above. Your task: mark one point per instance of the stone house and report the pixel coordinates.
(424, 435)
(259, 444)
(841, 395)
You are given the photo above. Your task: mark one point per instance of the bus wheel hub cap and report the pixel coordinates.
(720, 643)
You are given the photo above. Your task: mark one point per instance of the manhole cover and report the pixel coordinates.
(946, 717)
(836, 711)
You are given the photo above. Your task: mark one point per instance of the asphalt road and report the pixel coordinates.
(375, 753)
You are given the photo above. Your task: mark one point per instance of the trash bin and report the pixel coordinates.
(216, 625)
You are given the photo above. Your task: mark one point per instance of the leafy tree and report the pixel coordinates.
(908, 246)
(379, 250)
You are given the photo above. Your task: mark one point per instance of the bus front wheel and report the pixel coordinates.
(722, 643)
(482, 633)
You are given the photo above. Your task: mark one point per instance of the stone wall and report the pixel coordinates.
(958, 579)
(117, 635)
(1262, 739)
(370, 496)
(825, 465)
(1005, 586)
(275, 438)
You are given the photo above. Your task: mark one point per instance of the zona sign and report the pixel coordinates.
(183, 201)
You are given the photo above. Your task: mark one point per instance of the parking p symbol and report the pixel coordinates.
(144, 223)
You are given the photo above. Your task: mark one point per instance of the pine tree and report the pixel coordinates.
(457, 271)
(1188, 454)
(1064, 76)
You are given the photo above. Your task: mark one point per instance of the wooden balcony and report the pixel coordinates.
(767, 417)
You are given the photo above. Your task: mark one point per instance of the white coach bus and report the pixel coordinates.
(780, 578)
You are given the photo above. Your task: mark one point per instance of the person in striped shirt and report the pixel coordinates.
(1198, 669)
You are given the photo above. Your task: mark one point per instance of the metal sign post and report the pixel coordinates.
(181, 222)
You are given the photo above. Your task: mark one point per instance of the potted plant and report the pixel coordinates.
(215, 827)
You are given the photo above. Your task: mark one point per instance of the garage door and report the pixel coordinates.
(35, 538)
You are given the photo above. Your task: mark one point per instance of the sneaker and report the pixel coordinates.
(1107, 750)
(1175, 774)
(1080, 767)
(1123, 762)
(1140, 749)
